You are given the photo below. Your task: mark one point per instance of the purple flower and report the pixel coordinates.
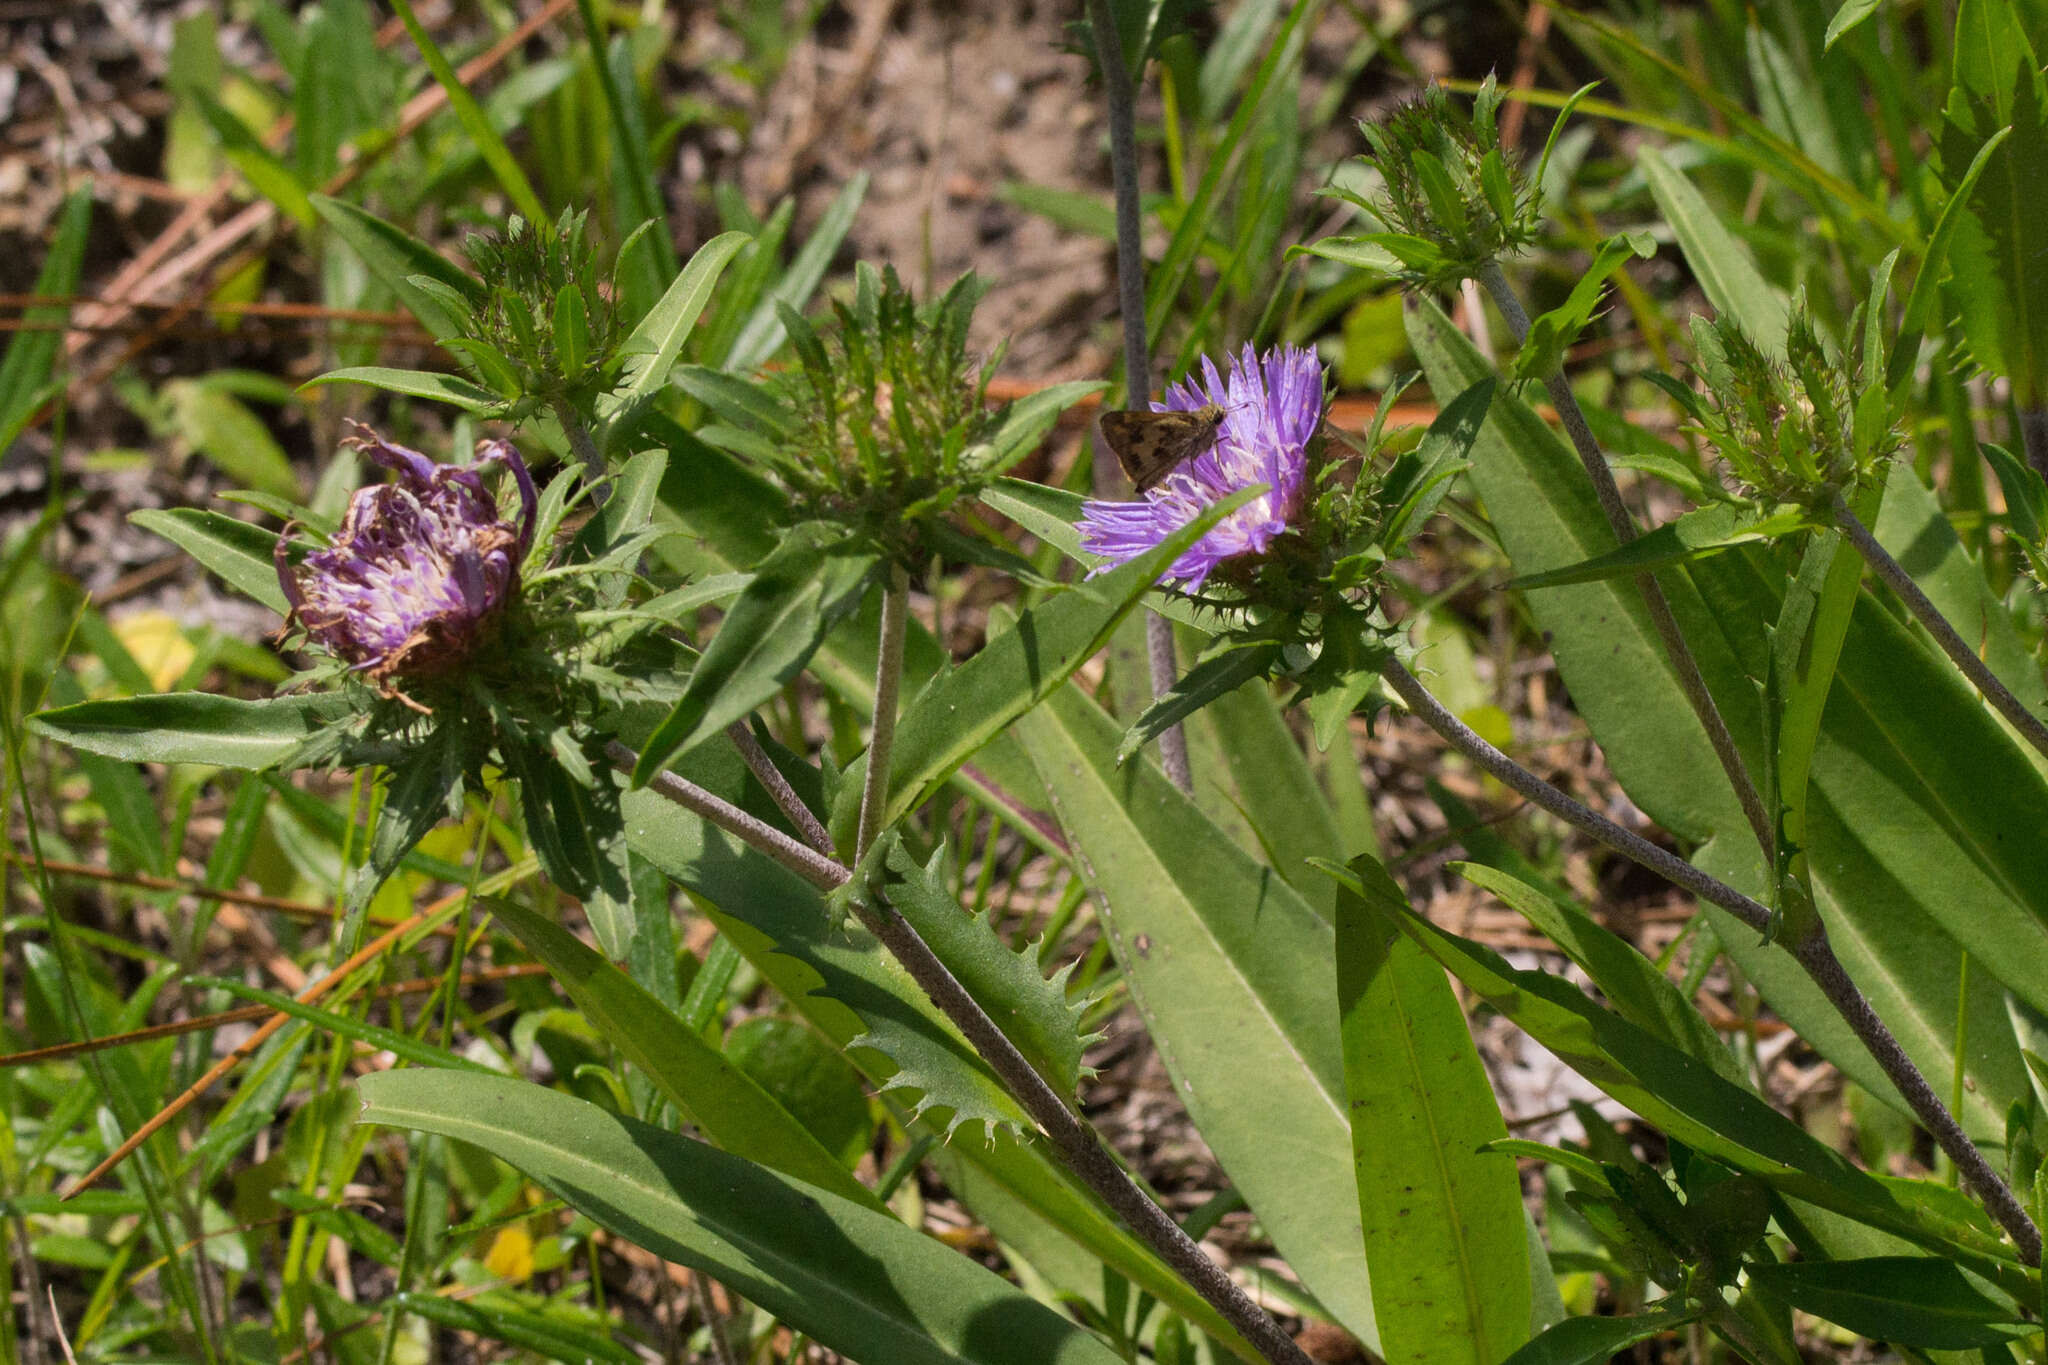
(1272, 407)
(419, 567)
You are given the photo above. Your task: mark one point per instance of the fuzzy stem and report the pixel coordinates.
(1812, 952)
(1624, 527)
(1071, 1136)
(1929, 616)
(1130, 286)
(2034, 438)
(777, 786)
(586, 452)
(874, 788)
(814, 867)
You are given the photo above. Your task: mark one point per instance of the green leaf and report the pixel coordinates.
(1212, 678)
(194, 727)
(1442, 1216)
(1907, 1300)
(1552, 333)
(1722, 264)
(231, 438)
(441, 388)
(394, 256)
(1852, 13)
(1883, 830)
(1925, 295)
(500, 1317)
(32, 354)
(1036, 1013)
(1686, 1099)
(723, 1100)
(810, 1077)
(798, 594)
(856, 1281)
(482, 135)
(762, 335)
(1219, 955)
(1696, 534)
(1027, 420)
(260, 166)
(1999, 240)
(242, 554)
(1631, 982)
(1595, 1341)
(650, 351)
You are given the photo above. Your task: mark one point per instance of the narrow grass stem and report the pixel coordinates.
(1929, 616)
(1813, 952)
(1163, 668)
(770, 777)
(874, 787)
(1624, 527)
(1070, 1135)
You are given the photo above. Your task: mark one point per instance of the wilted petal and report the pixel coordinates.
(419, 567)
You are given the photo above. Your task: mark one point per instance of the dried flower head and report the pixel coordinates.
(1272, 409)
(420, 567)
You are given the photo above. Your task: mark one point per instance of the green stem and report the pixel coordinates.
(1812, 951)
(1623, 525)
(874, 788)
(1930, 618)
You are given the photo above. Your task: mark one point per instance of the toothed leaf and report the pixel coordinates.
(1035, 1012)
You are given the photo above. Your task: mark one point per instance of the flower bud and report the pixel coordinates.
(1450, 190)
(1797, 429)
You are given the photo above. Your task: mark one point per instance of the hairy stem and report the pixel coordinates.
(1130, 286)
(874, 788)
(777, 786)
(1624, 527)
(1929, 616)
(1071, 1136)
(1813, 952)
(583, 447)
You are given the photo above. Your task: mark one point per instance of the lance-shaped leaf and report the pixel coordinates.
(1442, 1216)
(1910, 1300)
(1220, 954)
(1687, 1100)
(729, 1105)
(847, 987)
(399, 260)
(856, 1281)
(195, 727)
(1695, 535)
(650, 351)
(1552, 332)
(1210, 679)
(798, 594)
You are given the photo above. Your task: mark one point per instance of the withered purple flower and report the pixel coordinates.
(420, 567)
(1273, 405)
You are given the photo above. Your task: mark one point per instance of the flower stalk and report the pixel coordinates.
(1812, 951)
(1162, 666)
(1071, 1136)
(874, 790)
(1929, 616)
(1623, 525)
